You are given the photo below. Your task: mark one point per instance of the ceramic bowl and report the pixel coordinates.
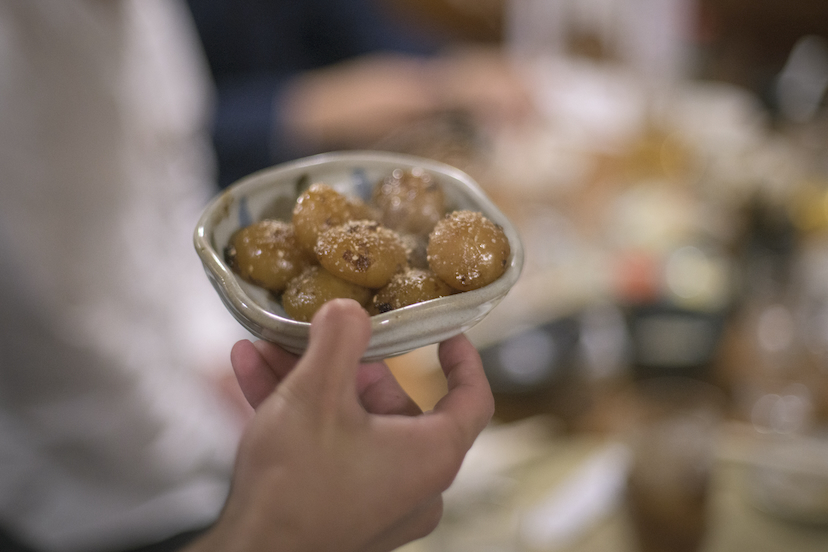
(271, 193)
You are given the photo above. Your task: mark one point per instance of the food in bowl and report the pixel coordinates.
(410, 201)
(363, 252)
(314, 287)
(468, 251)
(319, 208)
(267, 253)
(272, 193)
(337, 246)
(409, 287)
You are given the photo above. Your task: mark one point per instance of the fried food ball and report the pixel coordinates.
(411, 286)
(467, 250)
(321, 207)
(362, 252)
(306, 293)
(267, 254)
(411, 201)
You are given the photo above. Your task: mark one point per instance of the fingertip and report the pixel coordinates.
(339, 308)
(457, 350)
(240, 352)
(255, 378)
(342, 317)
(470, 395)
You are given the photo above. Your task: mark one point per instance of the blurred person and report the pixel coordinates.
(118, 430)
(114, 429)
(295, 78)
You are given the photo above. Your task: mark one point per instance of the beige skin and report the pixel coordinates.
(337, 457)
(359, 101)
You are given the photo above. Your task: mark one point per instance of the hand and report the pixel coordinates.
(358, 101)
(485, 83)
(338, 457)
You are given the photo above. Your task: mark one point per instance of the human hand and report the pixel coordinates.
(484, 82)
(358, 101)
(338, 457)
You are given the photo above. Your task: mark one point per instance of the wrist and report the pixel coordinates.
(242, 532)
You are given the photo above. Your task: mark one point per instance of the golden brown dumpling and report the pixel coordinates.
(362, 252)
(267, 254)
(411, 286)
(411, 201)
(467, 250)
(321, 207)
(307, 292)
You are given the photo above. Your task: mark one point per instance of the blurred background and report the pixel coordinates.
(661, 368)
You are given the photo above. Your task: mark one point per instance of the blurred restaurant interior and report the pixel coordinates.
(661, 368)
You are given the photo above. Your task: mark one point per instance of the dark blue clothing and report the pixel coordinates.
(255, 46)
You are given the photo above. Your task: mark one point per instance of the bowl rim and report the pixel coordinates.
(240, 303)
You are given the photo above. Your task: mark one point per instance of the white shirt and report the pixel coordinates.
(110, 435)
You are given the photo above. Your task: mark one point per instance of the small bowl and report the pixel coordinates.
(271, 193)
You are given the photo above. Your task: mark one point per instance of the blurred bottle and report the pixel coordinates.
(653, 37)
(673, 447)
(535, 28)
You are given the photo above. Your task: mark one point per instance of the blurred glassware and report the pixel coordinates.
(655, 39)
(802, 84)
(535, 27)
(812, 310)
(674, 446)
(652, 37)
(790, 411)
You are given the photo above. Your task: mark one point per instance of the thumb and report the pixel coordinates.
(326, 375)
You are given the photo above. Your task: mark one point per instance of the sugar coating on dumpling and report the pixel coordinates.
(409, 287)
(319, 208)
(363, 252)
(467, 250)
(306, 293)
(267, 254)
(411, 201)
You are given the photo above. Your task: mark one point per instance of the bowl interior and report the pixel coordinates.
(272, 193)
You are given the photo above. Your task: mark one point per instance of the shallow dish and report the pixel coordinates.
(271, 193)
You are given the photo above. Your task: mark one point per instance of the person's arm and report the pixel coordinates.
(337, 456)
(254, 49)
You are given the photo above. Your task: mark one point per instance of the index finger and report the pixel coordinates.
(469, 401)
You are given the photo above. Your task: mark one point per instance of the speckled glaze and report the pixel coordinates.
(271, 193)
